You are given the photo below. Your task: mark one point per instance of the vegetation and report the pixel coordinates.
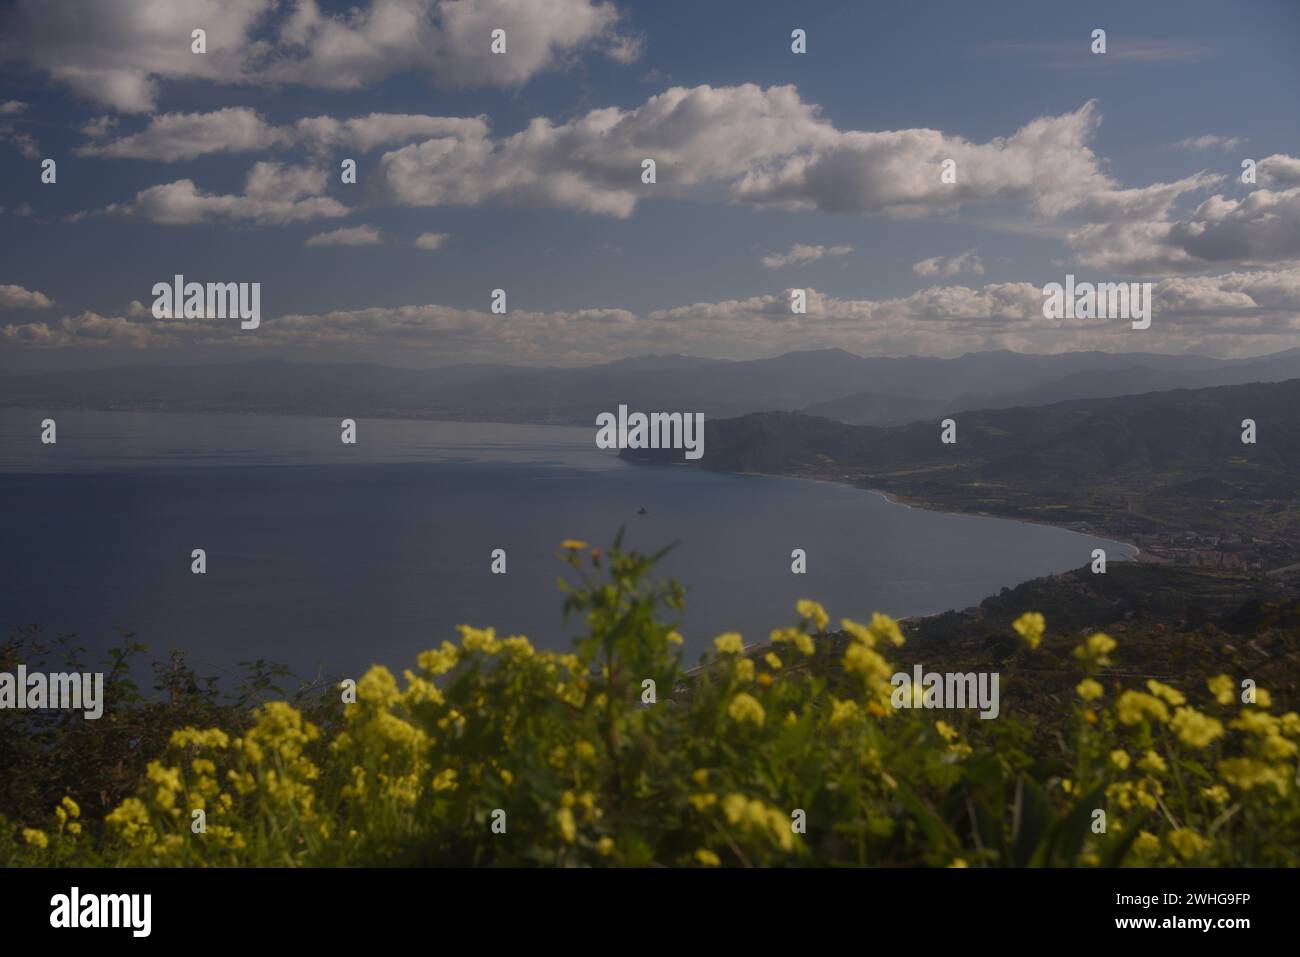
(1167, 471)
(493, 753)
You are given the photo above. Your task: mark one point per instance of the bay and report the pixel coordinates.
(331, 557)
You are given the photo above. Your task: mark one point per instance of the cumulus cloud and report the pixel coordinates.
(347, 236)
(1047, 164)
(170, 137)
(766, 147)
(25, 143)
(114, 52)
(800, 253)
(950, 266)
(593, 163)
(1210, 141)
(431, 240)
(273, 194)
(356, 49)
(118, 52)
(1260, 229)
(1235, 313)
(12, 107)
(16, 297)
(1278, 170)
(183, 136)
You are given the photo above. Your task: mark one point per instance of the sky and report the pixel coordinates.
(522, 171)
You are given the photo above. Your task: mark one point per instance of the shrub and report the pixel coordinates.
(491, 752)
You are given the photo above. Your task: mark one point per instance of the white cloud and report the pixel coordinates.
(1236, 313)
(382, 129)
(1210, 141)
(593, 163)
(951, 266)
(25, 143)
(16, 297)
(171, 137)
(767, 147)
(1260, 229)
(116, 52)
(431, 240)
(12, 107)
(1047, 163)
(802, 253)
(274, 194)
(183, 136)
(1278, 170)
(347, 236)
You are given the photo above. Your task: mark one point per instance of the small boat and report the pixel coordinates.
(641, 510)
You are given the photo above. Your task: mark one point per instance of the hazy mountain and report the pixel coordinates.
(830, 382)
(1102, 376)
(1175, 431)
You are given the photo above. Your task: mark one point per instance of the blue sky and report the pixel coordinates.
(673, 267)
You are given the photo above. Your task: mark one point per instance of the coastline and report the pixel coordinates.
(896, 499)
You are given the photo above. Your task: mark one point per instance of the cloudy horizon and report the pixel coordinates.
(523, 171)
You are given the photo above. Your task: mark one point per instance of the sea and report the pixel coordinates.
(328, 557)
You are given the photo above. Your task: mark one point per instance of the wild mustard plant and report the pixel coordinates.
(492, 752)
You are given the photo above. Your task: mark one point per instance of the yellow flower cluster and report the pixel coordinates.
(1030, 626)
(753, 815)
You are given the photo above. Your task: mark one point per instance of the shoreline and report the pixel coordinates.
(894, 498)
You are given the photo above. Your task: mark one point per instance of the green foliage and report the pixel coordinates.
(492, 753)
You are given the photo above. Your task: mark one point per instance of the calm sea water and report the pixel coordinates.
(325, 555)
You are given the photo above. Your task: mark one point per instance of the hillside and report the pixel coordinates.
(1166, 470)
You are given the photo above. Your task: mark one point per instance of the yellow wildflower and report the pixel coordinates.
(1096, 650)
(439, 661)
(729, 643)
(1135, 706)
(1222, 687)
(1030, 626)
(1187, 843)
(1171, 695)
(813, 612)
(842, 711)
(1089, 690)
(707, 858)
(573, 544)
(745, 707)
(1146, 845)
(1120, 759)
(1194, 728)
(1153, 763)
(568, 826)
(37, 838)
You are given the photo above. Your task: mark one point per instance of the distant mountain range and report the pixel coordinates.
(831, 383)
